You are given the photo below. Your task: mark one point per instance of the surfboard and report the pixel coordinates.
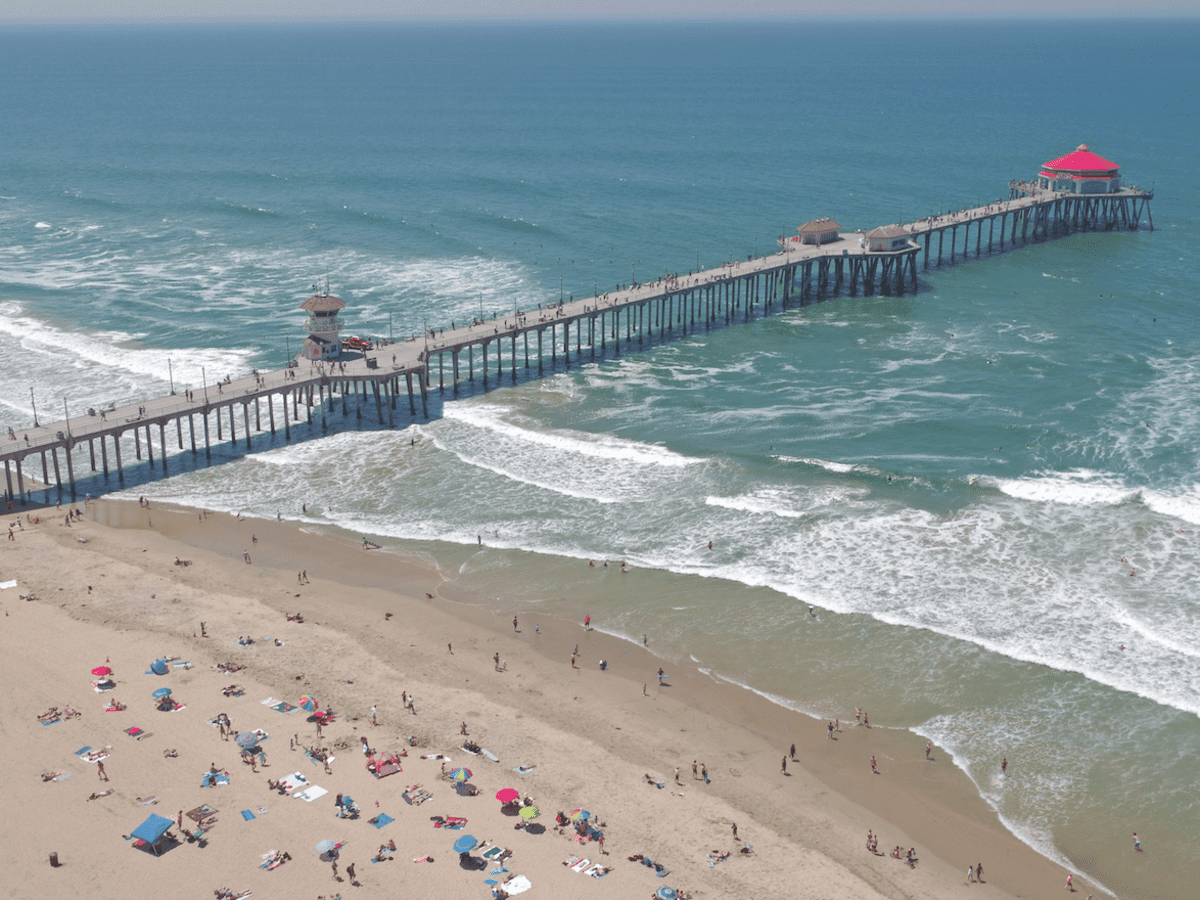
(490, 755)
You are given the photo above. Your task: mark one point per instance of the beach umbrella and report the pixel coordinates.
(530, 812)
(460, 774)
(324, 846)
(159, 667)
(160, 693)
(580, 814)
(247, 739)
(102, 670)
(507, 795)
(665, 893)
(465, 844)
(308, 704)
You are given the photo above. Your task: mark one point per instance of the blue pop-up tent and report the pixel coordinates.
(159, 667)
(152, 830)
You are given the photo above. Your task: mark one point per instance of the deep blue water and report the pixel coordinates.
(952, 477)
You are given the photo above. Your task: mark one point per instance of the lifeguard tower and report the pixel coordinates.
(322, 324)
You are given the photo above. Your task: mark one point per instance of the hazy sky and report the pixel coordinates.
(79, 11)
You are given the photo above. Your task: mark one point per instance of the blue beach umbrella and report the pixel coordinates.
(159, 667)
(460, 774)
(465, 844)
(247, 739)
(160, 693)
(665, 893)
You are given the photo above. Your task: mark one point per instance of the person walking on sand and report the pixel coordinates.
(704, 772)
(928, 748)
(677, 781)
(514, 624)
(1137, 843)
(373, 719)
(350, 874)
(100, 771)
(1070, 887)
(970, 875)
(979, 872)
(792, 753)
(735, 837)
(873, 769)
(1004, 766)
(694, 775)
(783, 770)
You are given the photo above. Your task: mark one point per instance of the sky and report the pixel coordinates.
(152, 11)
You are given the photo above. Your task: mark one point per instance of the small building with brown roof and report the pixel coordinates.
(887, 238)
(819, 231)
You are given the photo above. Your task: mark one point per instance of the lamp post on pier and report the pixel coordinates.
(171, 376)
(67, 416)
(204, 379)
(34, 403)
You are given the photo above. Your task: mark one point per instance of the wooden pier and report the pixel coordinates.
(589, 328)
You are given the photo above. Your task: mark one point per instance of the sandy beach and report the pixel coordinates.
(109, 592)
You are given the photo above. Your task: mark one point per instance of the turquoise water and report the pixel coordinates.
(951, 478)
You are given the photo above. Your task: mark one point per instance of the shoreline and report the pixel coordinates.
(940, 808)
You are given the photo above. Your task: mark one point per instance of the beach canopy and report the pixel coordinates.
(460, 774)
(465, 844)
(160, 693)
(102, 670)
(507, 795)
(159, 667)
(530, 812)
(152, 830)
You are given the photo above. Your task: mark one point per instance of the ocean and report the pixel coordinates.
(961, 482)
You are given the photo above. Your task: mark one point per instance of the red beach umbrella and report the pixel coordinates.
(507, 795)
(102, 670)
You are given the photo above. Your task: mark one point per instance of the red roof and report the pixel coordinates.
(1082, 160)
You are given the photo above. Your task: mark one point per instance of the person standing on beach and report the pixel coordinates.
(373, 720)
(873, 769)
(1137, 843)
(979, 872)
(514, 624)
(928, 749)
(100, 771)
(704, 772)
(1070, 887)
(677, 781)
(1004, 766)
(792, 754)
(735, 837)
(783, 770)
(970, 875)
(694, 773)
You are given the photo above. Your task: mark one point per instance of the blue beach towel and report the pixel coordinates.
(382, 819)
(52, 722)
(83, 750)
(247, 815)
(490, 881)
(499, 871)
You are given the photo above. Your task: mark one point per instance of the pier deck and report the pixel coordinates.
(672, 305)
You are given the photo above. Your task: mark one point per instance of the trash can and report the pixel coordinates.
(54, 860)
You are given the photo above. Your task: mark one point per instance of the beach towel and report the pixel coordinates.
(499, 871)
(494, 852)
(201, 812)
(490, 880)
(421, 859)
(523, 770)
(222, 780)
(261, 810)
(182, 665)
(64, 776)
(82, 750)
(597, 871)
(5, 585)
(310, 794)
(52, 722)
(382, 819)
(284, 708)
(270, 701)
(95, 756)
(571, 861)
(247, 815)
(134, 731)
(581, 865)
(148, 801)
(293, 781)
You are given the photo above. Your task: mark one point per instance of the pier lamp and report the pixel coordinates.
(34, 403)
(67, 416)
(481, 306)
(288, 343)
(204, 379)
(171, 376)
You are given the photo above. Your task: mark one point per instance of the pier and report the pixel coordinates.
(881, 261)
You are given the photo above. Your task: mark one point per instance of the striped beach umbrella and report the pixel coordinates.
(308, 704)
(580, 814)
(460, 774)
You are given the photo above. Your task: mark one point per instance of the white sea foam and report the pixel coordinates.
(1077, 487)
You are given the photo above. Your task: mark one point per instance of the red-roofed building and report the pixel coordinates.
(1080, 172)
